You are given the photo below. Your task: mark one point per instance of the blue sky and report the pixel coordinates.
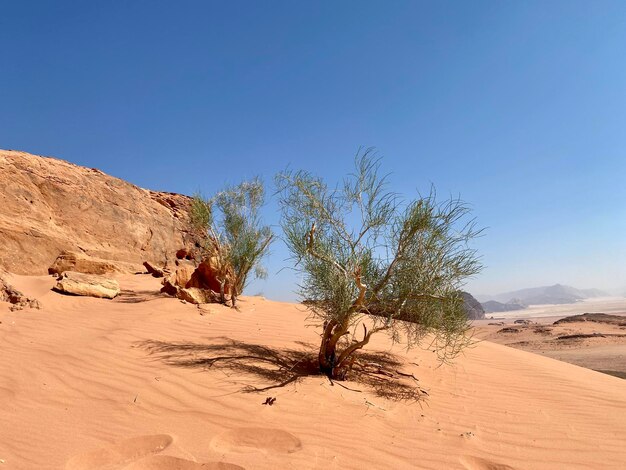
(518, 107)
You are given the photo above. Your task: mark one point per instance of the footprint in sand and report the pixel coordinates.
(476, 463)
(256, 439)
(123, 452)
(166, 462)
(138, 454)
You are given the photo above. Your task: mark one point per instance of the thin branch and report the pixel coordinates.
(326, 259)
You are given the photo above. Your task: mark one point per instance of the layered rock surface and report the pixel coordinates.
(193, 283)
(48, 206)
(90, 285)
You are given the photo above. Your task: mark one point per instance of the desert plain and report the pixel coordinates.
(146, 381)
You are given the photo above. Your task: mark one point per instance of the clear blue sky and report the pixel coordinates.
(519, 107)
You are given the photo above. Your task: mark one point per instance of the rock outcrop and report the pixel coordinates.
(608, 319)
(473, 309)
(155, 270)
(88, 285)
(18, 300)
(205, 276)
(195, 284)
(78, 262)
(198, 296)
(49, 206)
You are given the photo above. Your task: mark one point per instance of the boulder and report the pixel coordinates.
(205, 277)
(88, 285)
(169, 285)
(81, 263)
(196, 295)
(153, 269)
(184, 272)
(180, 278)
(18, 300)
(49, 206)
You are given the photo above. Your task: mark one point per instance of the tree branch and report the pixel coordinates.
(349, 350)
(321, 257)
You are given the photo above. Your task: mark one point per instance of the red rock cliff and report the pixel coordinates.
(49, 205)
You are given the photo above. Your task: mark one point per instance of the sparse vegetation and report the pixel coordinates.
(362, 250)
(235, 242)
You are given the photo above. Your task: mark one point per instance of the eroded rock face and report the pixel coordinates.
(205, 277)
(68, 261)
(179, 278)
(195, 284)
(195, 295)
(18, 300)
(88, 285)
(154, 269)
(49, 206)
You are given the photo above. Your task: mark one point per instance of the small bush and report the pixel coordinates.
(362, 250)
(236, 241)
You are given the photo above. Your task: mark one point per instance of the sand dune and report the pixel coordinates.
(132, 384)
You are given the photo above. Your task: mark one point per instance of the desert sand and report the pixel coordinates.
(90, 383)
(595, 345)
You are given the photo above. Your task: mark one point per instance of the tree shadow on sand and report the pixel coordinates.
(378, 371)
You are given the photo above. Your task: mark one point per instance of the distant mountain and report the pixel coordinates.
(556, 294)
(591, 293)
(493, 306)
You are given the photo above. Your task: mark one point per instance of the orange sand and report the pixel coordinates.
(80, 389)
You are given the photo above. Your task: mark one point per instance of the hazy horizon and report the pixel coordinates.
(519, 108)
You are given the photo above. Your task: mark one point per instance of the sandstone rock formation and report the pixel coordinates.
(48, 206)
(206, 276)
(195, 284)
(153, 269)
(195, 295)
(81, 263)
(87, 284)
(18, 300)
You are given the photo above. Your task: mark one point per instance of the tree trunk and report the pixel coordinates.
(222, 296)
(234, 293)
(337, 364)
(325, 362)
(329, 360)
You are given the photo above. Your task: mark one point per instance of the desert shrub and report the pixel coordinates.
(362, 250)
(236, 240)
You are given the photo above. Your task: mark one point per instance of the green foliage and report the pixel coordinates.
(237, 239)
(362, 250)
(201, 213)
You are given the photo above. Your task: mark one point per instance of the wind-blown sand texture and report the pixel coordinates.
(89, 383)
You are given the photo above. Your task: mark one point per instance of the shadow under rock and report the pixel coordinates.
(135, 297)
(282, 366)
